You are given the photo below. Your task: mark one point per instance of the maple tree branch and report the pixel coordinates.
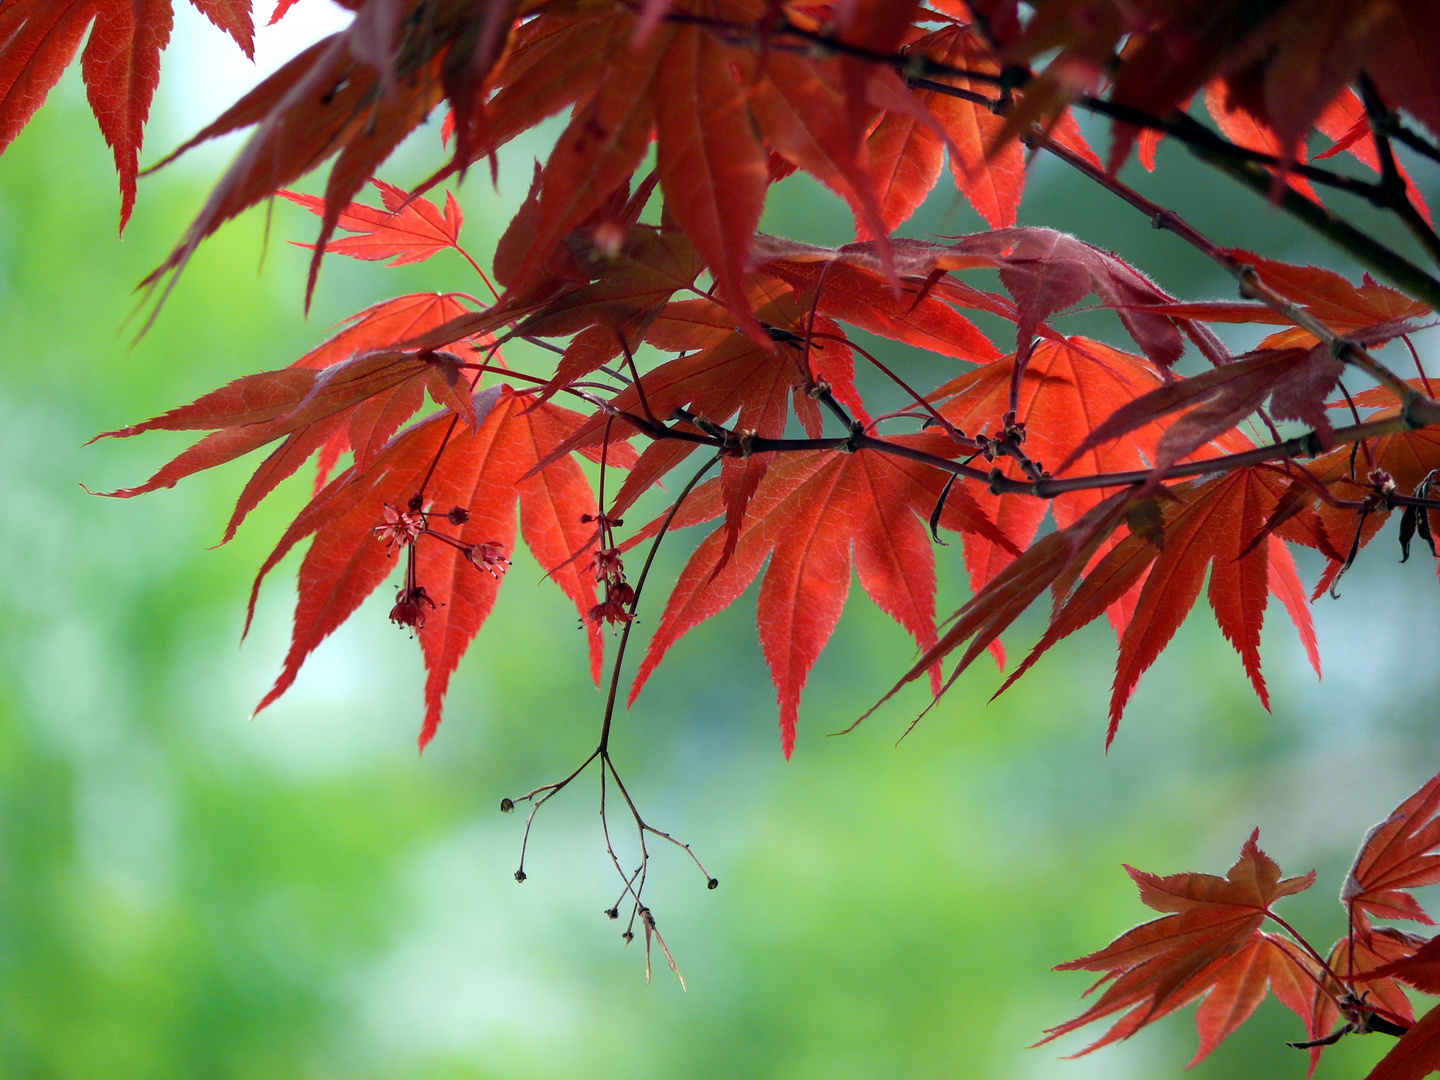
(1418, 409)
(1391, 182)
(604, 746)
(922, 73)
(1369, 252)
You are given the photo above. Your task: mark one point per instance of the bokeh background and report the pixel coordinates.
(186, 891)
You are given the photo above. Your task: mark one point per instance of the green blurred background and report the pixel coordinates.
(188, 892)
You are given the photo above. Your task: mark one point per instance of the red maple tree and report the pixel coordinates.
(748, 366)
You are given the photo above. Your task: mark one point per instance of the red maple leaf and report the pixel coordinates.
(120, 66)
(1208, 942)
(809, 512)
(409, 230)
(368, 396)
(1397, 855)
(488, 469)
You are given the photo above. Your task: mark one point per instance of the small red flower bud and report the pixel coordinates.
(408, 609)
(458, 515)
(488, 556)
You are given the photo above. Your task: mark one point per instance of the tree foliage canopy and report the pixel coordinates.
(687, 347)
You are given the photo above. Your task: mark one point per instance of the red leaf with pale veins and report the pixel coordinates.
(121, 66)
(233, 17)
(811, 512)
(991, 176)
(906, 157)
(300, 405)
(600, 149)
(711, 162)
(1213, 522)
(385, 325)
(1068, 385)
(408, 230)
(41, 38)
(923, 319)
(1396, 856)
(1417, 966)
(1210, 940)
(800, 107)
(1202, 523)
(1240, 984)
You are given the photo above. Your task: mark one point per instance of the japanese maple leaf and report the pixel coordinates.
(1344, 120)
(484, 475)
(733, 377)
(1209, 940)
(1067, 386)
(120, 65)
(1396, 856)
(859, 294)
(409, 230)
(368, 396)
(1204, 526)
(991, 176)
(1245, 129)
(381, 326)
(812, 510)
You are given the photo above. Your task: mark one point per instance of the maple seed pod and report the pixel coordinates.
(507, 806)
(458, 516)
(713, 883)
(519, 875)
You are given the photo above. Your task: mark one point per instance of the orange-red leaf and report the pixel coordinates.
(484, 474)
(1210, 940)
(711, 161)
(305, 408)
(810, 512)
(409, 230)
(1396, 856)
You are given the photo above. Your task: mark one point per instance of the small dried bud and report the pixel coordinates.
(628, 937)
(416, 502)
(612, 913)
(458, 515)
(519, 875)
(507, 806)
(713, 883)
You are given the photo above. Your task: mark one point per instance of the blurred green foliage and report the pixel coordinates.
(187, 892)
